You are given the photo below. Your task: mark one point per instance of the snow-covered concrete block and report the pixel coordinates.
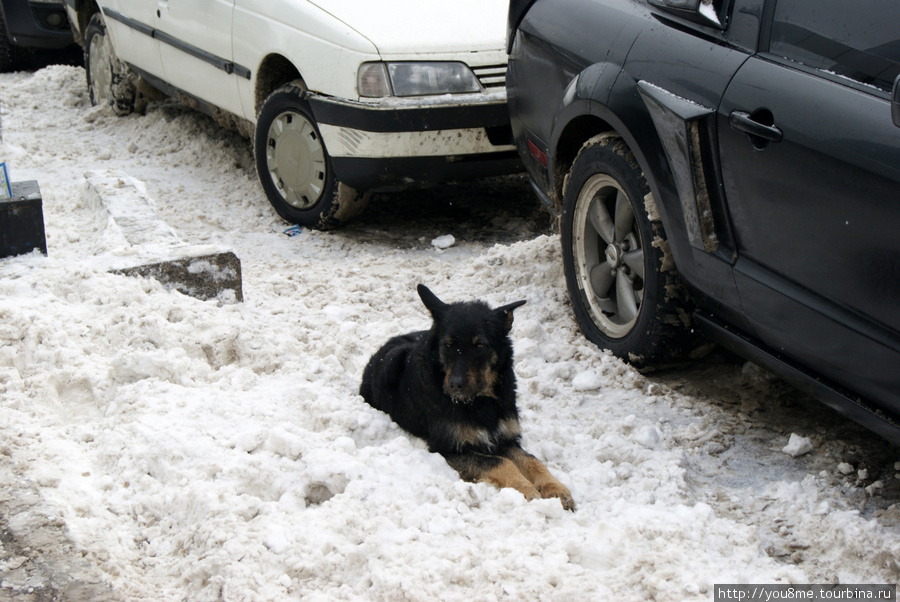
(140, 243)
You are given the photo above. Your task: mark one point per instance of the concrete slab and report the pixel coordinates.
(216, 276)
(144, 245)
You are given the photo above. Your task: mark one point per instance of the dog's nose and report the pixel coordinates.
(456, 384)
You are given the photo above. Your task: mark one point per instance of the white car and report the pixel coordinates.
(341, 97)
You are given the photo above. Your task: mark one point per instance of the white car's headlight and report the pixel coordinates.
(376, 80)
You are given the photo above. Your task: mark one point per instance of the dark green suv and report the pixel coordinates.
(730, 167)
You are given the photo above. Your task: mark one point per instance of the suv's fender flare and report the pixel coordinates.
(627, 113)
(603, 92)
(586, 104)
(577, 102)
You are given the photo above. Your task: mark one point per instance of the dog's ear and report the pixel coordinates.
(506, 314)
(434, 305)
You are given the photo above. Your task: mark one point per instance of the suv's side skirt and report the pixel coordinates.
(830, 394)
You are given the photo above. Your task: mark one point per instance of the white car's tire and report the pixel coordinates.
(294, 166)
(108, 79)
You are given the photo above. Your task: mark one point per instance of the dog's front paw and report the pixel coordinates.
(505, 474)
(528, 490)
(558, 490)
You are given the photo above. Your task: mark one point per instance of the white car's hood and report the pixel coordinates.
(424, 27)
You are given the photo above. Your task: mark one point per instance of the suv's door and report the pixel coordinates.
(196, 49)
(811, 163)
(130, 24)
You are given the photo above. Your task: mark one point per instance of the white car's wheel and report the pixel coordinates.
(108, 79)
(294, 167)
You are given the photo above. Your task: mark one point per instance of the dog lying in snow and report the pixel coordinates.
(454, 386)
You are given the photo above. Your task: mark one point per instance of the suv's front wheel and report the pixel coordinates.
(10, 55)
(294, 167)
(625, 291)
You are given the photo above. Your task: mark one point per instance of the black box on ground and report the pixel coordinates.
(22, 220)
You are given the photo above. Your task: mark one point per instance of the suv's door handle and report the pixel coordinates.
(744, 122)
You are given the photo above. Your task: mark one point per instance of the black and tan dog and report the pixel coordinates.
(454, 386)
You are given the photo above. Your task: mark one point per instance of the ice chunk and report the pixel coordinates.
(443, 242)
(797, 445)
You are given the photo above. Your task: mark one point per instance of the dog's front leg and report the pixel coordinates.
(535, 471)
(500, 472)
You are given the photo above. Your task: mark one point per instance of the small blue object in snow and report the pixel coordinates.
(5, 189)
(293, 231)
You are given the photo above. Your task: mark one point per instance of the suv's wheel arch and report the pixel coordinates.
(568, 143)
(84, 10)
(572, 133)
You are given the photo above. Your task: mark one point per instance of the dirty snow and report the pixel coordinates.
(158, 447)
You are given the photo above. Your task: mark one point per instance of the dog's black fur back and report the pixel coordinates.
(454, 386)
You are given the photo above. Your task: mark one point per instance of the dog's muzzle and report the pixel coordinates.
(460, 388)
(458, 394)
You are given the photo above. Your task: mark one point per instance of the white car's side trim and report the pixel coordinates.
(220, 63)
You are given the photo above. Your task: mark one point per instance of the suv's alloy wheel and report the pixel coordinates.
(626, 296)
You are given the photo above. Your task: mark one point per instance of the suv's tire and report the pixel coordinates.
(294, 167)
(9, 54)
(625, 292)
(109, 80)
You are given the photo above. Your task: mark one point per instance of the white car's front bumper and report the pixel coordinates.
(430, 140)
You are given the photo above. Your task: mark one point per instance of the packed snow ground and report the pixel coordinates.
(188, 450)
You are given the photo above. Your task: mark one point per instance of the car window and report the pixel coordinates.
(857, 40)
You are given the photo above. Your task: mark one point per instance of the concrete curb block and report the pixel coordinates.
(146, 246)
